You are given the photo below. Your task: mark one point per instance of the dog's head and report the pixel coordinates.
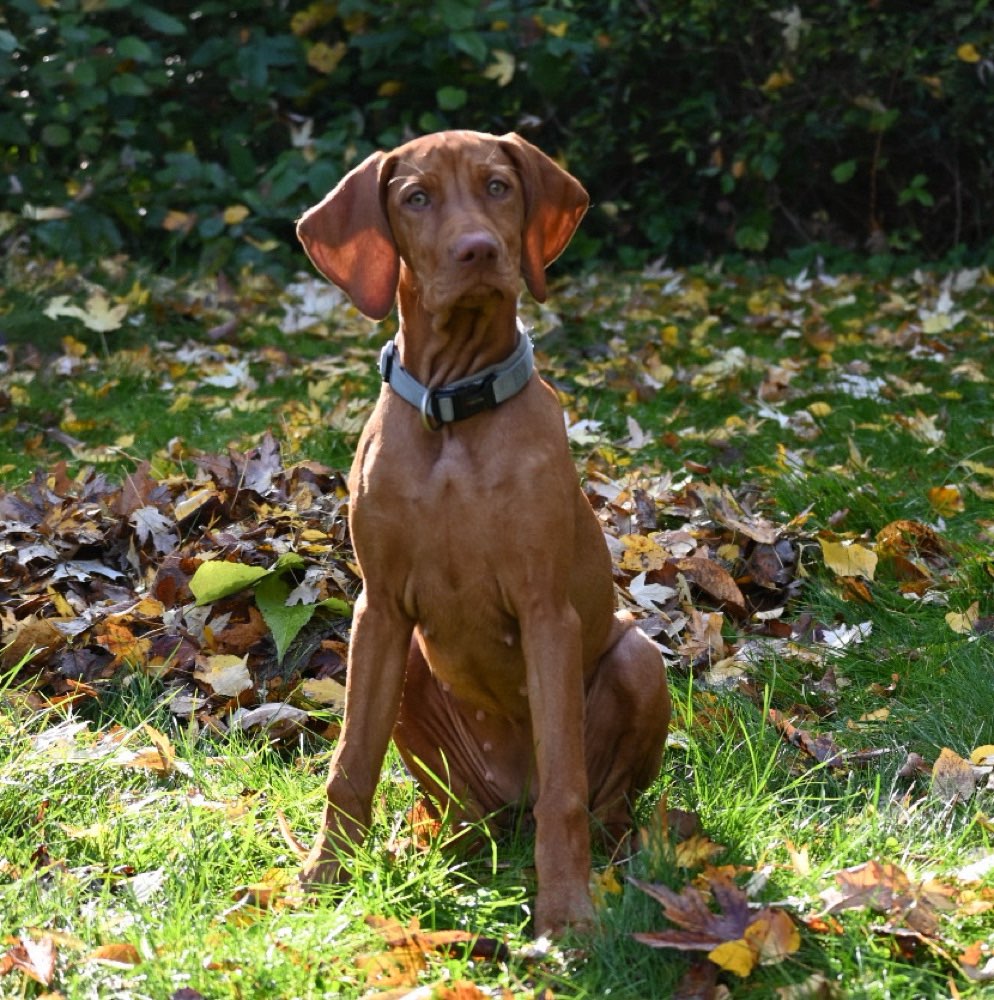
(466, 213)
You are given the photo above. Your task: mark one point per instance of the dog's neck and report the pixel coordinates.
(438, 349)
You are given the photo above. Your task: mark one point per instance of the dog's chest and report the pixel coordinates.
(446, 526)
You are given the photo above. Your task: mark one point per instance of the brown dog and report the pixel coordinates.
(484, 640)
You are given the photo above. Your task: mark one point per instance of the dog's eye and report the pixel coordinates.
(496, 187)
(418, 199)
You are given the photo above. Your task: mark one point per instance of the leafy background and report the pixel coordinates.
(197, 133)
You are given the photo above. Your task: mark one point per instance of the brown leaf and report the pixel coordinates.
(914, 764)
(822, 748)
(773, 935)
(722, 507)
(703, 642)
(970, 962)
(715, 581)
(872, 884)
(910, 539)
(953, 779)
(118, 953)
(160, 757)
(700, 928)
(699, 982)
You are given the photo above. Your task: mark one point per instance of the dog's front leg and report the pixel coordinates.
(381, 638)
(552, 647)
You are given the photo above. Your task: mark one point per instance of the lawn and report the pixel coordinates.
(795, 471)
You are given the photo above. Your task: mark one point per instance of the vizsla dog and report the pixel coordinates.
(485, 640)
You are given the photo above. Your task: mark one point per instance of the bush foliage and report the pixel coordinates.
(195, 133)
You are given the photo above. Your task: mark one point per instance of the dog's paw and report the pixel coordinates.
(322, 867)
(572, 913)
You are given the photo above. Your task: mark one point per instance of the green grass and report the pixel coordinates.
(94, 852)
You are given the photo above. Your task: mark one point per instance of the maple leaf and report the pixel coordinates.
(885, 888)
(737, 938)
(98, 314)
(151, 524)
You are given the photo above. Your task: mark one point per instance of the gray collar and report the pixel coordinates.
(483, 390)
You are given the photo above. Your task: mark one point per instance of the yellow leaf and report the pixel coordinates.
(389, 88)
(98, 314)
(978, 468)
(325, 691)
(799, 859)
(234, 214)
(848, 558)
(501, 70)
(946, 500)
(983, 755)
(325, 58)
(967, 52)
(604, 884)
(641, 554)
(774, 936)
(777, 80)
(558, 30)
(735, 956)
(877, 715)
(963, 622)
(819, 409)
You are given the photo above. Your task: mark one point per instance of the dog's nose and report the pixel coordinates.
(475, 248)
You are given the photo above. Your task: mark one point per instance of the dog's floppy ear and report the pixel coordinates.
(555, 202)
(348, 239)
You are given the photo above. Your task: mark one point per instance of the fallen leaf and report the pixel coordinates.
(641, 554)
(736, 956)
(225, 674)
(277, 720)
(651, 596)
(34, 956)
(219, 578)
(325, 691)
(160, 757)
(736, 938)
(885, 888)
(120, 954)
(849, 558)
(962, 623)
(953, 779)
(946, 500)
(773, 935)
(604, 885)
(970, 963)
(715, 581)
(822, 748)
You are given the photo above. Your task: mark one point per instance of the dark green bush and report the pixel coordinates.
(195, 133)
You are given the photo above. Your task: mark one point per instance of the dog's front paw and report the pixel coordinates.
(557, 914)
(322, 867)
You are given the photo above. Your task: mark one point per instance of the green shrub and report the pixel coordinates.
(195, 134)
